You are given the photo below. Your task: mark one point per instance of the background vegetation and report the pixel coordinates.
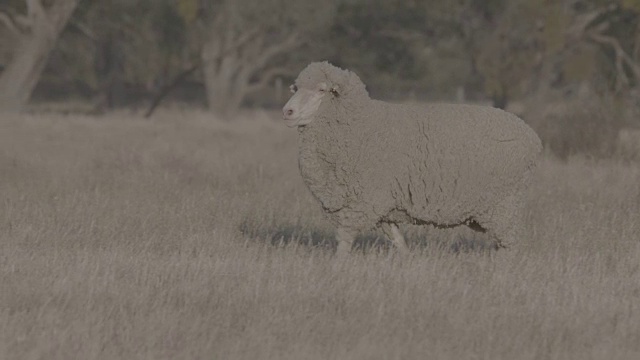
(545, 60)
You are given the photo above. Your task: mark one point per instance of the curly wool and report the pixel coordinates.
(370, 162)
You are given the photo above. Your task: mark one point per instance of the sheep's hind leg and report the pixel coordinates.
(506, 224)
(345, 240)
(505, 234)
(393, 233)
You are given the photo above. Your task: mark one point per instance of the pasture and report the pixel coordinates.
(185, 238)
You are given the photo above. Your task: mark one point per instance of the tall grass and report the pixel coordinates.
(123, 238)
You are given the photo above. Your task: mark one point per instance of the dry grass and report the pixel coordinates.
(122, 238)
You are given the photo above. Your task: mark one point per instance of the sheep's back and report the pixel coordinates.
(450, 159)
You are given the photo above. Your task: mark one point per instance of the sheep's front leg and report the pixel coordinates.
(345, 239)
(393, 233)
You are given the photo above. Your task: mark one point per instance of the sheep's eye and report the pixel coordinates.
(293, 88)
(334, 92)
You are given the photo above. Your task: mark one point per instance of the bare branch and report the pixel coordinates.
(62, 10)
(583, 22)
(621, 56)
(157, 99)
(84, 30)
(35, 10)
(291, 41)
(15, 22)
(22, 21)
(586, 27)
(242, 41)
(9, 22)
(258, 57)
(266, 77)
(248, 36)
(182, 76)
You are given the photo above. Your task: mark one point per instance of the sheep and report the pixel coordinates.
(376, 164)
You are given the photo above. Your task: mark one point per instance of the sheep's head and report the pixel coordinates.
(318, 82)
(304, 103)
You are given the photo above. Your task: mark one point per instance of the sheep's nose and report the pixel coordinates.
(287, 113)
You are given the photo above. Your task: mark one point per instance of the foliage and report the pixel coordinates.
(242, 50)
(498, 49)
(379, 29)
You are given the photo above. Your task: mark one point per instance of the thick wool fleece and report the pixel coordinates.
(369, 162)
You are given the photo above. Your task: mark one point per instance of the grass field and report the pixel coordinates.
(124, 238)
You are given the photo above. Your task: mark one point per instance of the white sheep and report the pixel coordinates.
(372, 163)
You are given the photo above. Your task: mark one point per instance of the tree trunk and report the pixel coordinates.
(21, 76)
(219, 83)
(235, 64)
(219, 99)
(108, 68)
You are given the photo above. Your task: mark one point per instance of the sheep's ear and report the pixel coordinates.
(335, 90)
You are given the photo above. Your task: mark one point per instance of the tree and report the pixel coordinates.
(614, 27)
(37, 32)
(394, 43)
(513, 50)
(119, 43)
(241, 46)
(431, 45)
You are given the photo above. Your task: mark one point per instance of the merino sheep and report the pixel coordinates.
(371, 163)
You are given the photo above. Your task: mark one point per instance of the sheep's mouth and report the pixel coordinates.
(291, 122)
(298, 121)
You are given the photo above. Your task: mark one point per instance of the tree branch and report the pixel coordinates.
(9, 22)
(62, 10)
(621, 56)
(266, 77)
(157, 99)
(243, 40)
(84, 30)
(182, 76)
(583, 22)
(35, 10)
(291, 41)
(258, 58)
(15, 22)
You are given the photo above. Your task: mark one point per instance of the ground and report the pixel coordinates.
(122, 237)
